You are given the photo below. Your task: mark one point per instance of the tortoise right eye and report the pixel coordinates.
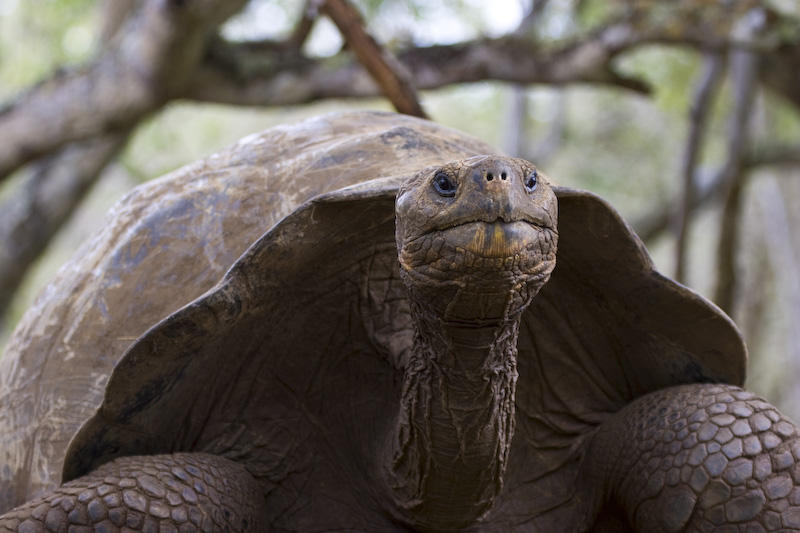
(531, 181)
(443, 185)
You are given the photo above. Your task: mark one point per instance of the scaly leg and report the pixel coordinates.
(699, 458)
(180, 492)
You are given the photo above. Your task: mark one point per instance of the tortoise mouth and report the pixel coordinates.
(493, 240)
(536, 217)
(478, 273)
(495, 252)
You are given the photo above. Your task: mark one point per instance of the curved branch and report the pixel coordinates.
(381, 65)
(83, 117)
(698, 118)
(743, 71)
(46, 199)
(69, 107)
(162, 54)
(276, 77)
(774, 156)
(303, 27)
(652, 226)
(236, 74)
(780, 71)
(150, 63)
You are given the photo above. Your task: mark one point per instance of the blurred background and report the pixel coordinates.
(683, 114)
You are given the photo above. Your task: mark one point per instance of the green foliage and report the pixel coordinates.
(594, 13)
(783, 120)
(38, 36)
(669, 71)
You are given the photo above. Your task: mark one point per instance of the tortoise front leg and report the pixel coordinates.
(179, 492)
(700, 458)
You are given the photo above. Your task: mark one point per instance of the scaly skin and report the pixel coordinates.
(701, 458)
(180, 492)
(471, 257)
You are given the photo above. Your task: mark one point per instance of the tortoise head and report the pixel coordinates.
(476, 238)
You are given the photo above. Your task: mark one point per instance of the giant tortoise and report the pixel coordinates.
(400, 348)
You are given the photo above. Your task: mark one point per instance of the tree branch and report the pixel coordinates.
(243, 78)
(698, 118)
(69, 107)
(515, 121)
(303, 27)
(84, 117)
(153, 58)
(780, 71)
(782, 256)
(529, 22)
(113, 14)
(743, 71)
(47, 198)
(652, 226)
(774, 156)
(150, 63)
(281, 79)
(381, 65)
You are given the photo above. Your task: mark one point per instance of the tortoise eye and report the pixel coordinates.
(443, 185)
(531, 181)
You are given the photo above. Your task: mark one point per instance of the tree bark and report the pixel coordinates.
(381, 65)
(164, 55)
(653, 225)
(151, 64)
(785, 261)
(743, 71)
(76, 122)
(47, 198)
(780, 71)
(698, 119)
(239, 74)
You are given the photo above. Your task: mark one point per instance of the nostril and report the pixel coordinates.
(489, 173)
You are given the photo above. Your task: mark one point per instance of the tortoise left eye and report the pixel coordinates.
(443, 185)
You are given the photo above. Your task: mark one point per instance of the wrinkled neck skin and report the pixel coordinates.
(476, 240)
(453, 433)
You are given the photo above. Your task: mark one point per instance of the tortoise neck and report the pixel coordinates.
(452, 436)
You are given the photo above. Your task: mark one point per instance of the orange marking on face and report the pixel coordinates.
(498, 239)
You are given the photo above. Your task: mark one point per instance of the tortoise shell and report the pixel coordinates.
(299, 350)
